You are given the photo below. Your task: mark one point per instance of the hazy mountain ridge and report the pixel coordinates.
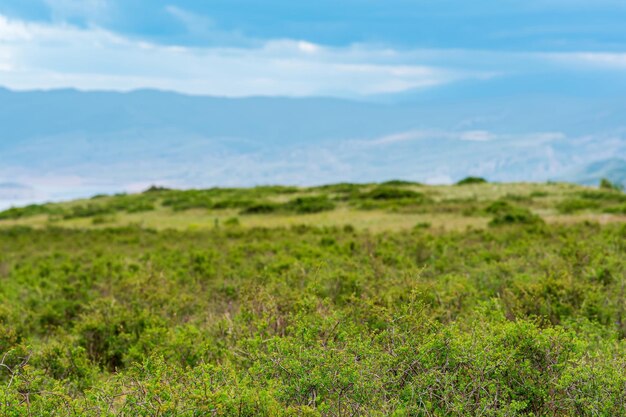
(614, 169)
(67, 143)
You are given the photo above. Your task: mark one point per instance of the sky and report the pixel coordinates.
(501, 73)
(341, 48)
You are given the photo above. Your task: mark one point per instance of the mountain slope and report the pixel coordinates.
(67, 143)
(613, 169)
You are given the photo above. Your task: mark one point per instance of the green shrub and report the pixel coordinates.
(507, 214)
(187, 200)
(88, 210)
(27, 211)
(621, 209)
(345, 189)
(390, 193)
(499, 206)
(573, 205)
(139, 207)
(604, 196)
(308, 205)
(314, 321)
(608, 185)
(233, 203)
(261, 208)
(103, 219)
(156, 189)
(232, 221)
(471, 180)
(399, 183)
(518, 198)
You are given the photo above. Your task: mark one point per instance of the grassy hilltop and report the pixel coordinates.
(395, 205)
(392, 299)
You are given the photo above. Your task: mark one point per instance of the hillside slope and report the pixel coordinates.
(510, 303)
(394, 205)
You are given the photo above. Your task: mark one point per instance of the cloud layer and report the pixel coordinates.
(34, 55)
(532, 25)
(62, 54)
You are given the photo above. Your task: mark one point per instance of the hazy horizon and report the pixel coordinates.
(417, 90)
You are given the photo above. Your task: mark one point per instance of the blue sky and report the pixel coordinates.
(523, 71)
(345, 48)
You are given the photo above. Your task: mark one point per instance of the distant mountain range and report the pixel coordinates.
(65, 143)
(613, 169)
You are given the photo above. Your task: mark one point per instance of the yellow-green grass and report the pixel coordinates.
(373, 220)
(541, 199)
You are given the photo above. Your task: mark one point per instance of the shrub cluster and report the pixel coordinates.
(471, 180)
(506, 214)
(392, 196)
(299, 205)
(512, 321)
(606, 200)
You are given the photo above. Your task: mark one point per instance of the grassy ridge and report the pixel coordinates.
(394, 205)
(521, 317)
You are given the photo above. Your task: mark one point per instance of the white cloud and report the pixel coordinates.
(607, 60)
(404, 137)
(308, 47)
(476, 136)
(193, 22)
(524, 139)
(49, 56)
(438, 179)
(63, 10)
(205, 30)
(36, 55)
(14, 31)
(413, 135)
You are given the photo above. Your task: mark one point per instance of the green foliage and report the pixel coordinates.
(87, 210)
(573, 205)
(98, 206)
(507, 214)
(27, 211)
(395, 196)
(232, 221)
(613, 196)
(621, 209)
(340, 188)
(517, 198)
(600, 200)
(185, 200)
(156, 189)
(471, 180)
(608, 185)
(261, 208)
(125, 203)
(390, 193)
(248, 200)
(299, 205)
(102, 219)
(308, 321)
(399, 183)
(392, 198)
(306, 205)
(422, 225)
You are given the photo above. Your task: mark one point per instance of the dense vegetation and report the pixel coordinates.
(472, 200)
(520, 318)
